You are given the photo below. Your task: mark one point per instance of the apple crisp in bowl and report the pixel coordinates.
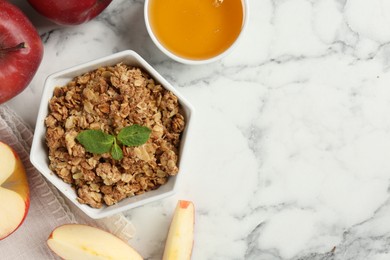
(109, 99)
(106, 97)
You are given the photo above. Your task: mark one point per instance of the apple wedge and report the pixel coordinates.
(14, 191)
(77, 241)
(180, 237)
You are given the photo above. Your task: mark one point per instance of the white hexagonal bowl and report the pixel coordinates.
(39, 150)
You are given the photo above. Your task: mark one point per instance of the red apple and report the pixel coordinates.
(69, 12)
(21, 51)
(14, 191)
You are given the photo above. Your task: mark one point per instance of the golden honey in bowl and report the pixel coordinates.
(196, 29)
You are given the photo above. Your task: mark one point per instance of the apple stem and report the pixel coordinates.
(21, 45)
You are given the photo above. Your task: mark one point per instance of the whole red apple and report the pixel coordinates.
(21, 51)
(69, 12)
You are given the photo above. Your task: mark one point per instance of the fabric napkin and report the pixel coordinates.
(48, 209)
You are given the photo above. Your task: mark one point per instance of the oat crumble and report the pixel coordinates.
(109, 99)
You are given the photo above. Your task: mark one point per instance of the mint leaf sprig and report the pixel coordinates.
(96, 141)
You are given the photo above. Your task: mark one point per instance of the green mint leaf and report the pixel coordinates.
(134, 135)
(95, 141)
(116, 152)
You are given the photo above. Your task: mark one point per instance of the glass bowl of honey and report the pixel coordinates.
(195, 31)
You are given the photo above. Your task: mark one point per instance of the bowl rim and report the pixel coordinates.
(40, 130)
(183, 60)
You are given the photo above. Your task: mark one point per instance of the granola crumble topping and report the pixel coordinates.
(109, 99)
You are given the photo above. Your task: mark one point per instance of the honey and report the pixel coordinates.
(196, 29)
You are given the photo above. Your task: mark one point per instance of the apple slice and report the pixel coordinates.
(14, 191)
(180, 238)
(76, 241)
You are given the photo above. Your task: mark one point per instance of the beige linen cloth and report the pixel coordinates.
(48, 209)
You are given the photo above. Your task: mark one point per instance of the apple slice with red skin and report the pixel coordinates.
(77, 241)
(14, 191)
(69, 12)
(180, 237)
(21, 51)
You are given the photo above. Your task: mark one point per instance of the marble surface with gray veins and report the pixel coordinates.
(290, 153)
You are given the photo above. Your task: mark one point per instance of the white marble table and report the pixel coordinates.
(291, 146)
